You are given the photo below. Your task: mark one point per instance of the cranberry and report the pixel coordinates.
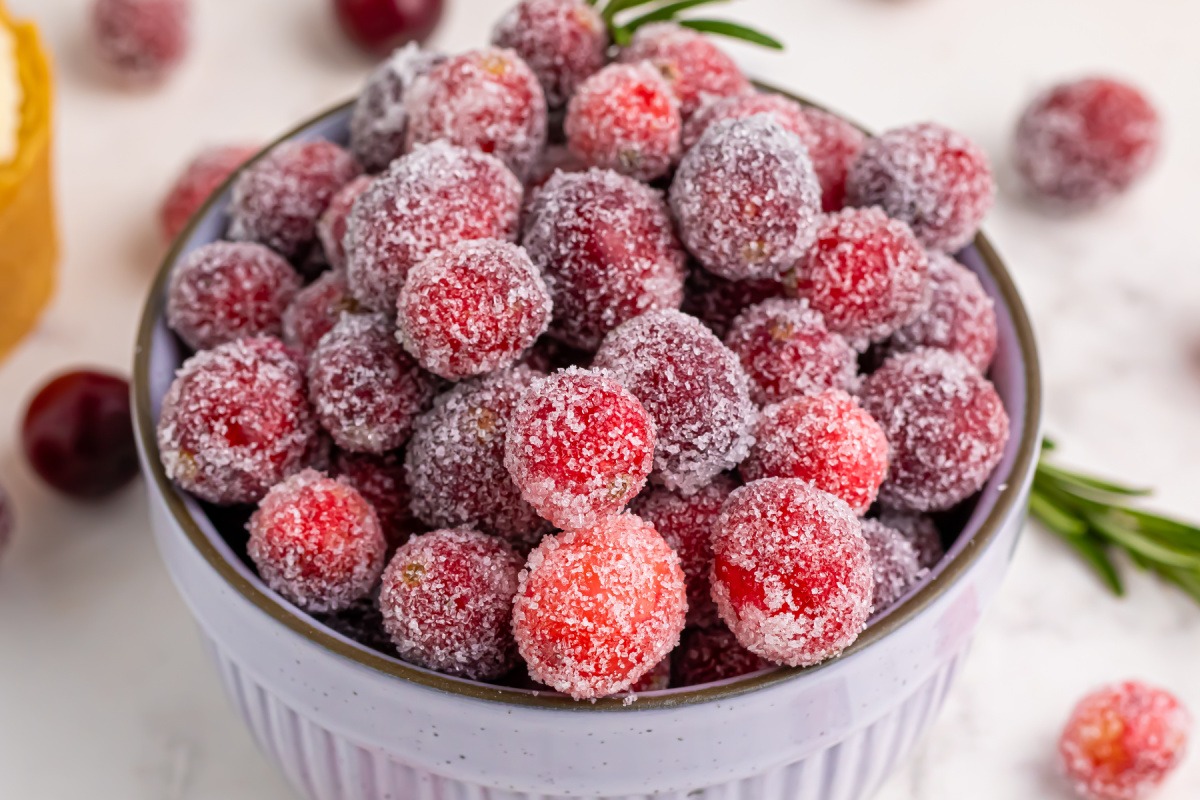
(141, 41)
(380, 25)
(201, 176)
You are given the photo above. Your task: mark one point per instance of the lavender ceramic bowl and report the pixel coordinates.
(344, 722)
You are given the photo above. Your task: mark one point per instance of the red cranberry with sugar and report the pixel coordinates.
(563, 41)
(696, 69)
(331, 225)
(833, 145)
(379, 121)
(784, 110)
(380, 480)
(141, 41)
(316, 309)
(200, 178)
(378, 26)
(708, 655)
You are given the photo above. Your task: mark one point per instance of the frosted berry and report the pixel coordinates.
(696, 69)
(920, 531)
(960, 317)
(236, 421)
(381, 25)
(379, 121)
(78, 437)
(1083, 142)
(141, 41)
(381, 482)
(784, 110)
(331, 225)
(746, 199)
(447, 602)
(579, 447)
(894, 563)
(366, 390)
(694, 389)
(200, 177)
(455, 460)
(787, 351)
(717, 301)
(865, 273)
(563, 41)
(278, 199)
(708, 655)
(431, 198)
(624, 118)
(686, 523)
(607, 249)
(487, 100)
(933, 179)
(472, 308)
(1122, 741)
(599, 607)
(826, 439)
(833, 145)
(316, 309)
(317, 542)
(229, 290)
(791, 571)
(946, 425)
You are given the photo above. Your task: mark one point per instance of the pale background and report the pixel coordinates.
(104, 691)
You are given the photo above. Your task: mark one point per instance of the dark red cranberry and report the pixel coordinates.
(381, 25)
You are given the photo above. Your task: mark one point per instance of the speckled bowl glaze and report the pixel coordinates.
(344, 722)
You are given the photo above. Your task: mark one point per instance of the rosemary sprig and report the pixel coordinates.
(622, 26)
(1094, 518)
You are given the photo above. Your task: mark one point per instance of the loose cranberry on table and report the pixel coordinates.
(141, 41)
(563, 41)
(77, 434)
(696, 69)
(200, 177)
(381, 25)
(380, 480)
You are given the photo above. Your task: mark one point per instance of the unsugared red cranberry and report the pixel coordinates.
(833, 145)
(707, 655)
(331, 225)
(379, 121)
(77, 434)
(894, 563)
(316, 309)
(961, 317)
(563, 41)
(696, 69)
(381, 482)
(378, 26)
(784, 110)
(200, 177)
(141, 40)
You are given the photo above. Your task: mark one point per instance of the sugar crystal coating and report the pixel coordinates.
(946, 425)
(717, 301)
(236, 421)
(920, 531)
(746, 199)
(225, 291)
(599, 607)
(317, 542)
(833, 145)
(894, 563)
(278, 199)
(316, 309)
(791, 572)
(472, 308)
(455, 460)
(380, 480)
(787, 351)
(379, 120)
(141, 41)
(487, 100)
(199, 178)
(366, 390)
(933, 179)
(784, 110)
(447, 602)
(708, 655)
(826, 439)
(579, 447)
(562, 41)
(624, 118)
(1122, 741)
(686, 523)
(331, 225)
(697, 70)
(865, 273)
(435, 196)
(693, 387)
(607, 249)
(960, 317)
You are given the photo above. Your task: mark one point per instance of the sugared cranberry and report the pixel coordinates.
(791, 571)
(200, 177)
(229, 290)
(331, 225)
(447, 602)
(141, 40)
(787, 351)
(945, 423)
(77, 434)
(933, 179)
(316, 309)
(379, 121)
(833, 144)
(894, 563)
(431, 198)
(365, 389)
(278, 200)
(708, 655)
(599, 607)
(563, 41)
(472, 308)
(693, 387)
(784, 110)
(605, 244)
(920, 531)
(579, 447)
(746, 199)
(1122, 741)
(236, 421)
(1084, 142)
(455, 460)
(696, 69)
(381, 482)
(865, 273)
(717, 301)
(382, 25)
(826, 439)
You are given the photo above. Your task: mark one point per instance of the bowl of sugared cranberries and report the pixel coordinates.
(631, 481)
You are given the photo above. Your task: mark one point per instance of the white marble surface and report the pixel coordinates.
(104, 691)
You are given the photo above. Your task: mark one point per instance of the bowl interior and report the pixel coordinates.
(220, 536)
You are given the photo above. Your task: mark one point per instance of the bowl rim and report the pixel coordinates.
(1006, 503)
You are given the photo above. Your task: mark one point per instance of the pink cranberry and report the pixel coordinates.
(141, 40)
